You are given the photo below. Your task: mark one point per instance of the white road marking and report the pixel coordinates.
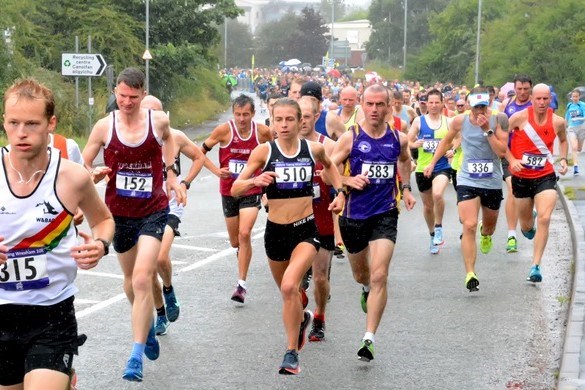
(100, 306)
(194, 248)
(84, 301)
(108, 302)
(104, 274)
(214, 257)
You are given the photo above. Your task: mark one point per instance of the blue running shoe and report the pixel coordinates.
(152, 350)
(162, 324)
(172, 306)
(534, 276)
(133, 371)
(434, 248)
(438, 237)
(530, 234)
(290, 364)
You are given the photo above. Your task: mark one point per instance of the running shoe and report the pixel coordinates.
(364, 300)
(512, 245)
(438, 237)
(366, 351)
(534, 276)
(172, 306)
(575, 170)
(306, 279)
(290, 364)
(471, 282)
(152, 350)
(304, 299)
(133, 371)
(485, 242)
(162, 324)
(530, 234)
(239, 294)
(434, 248)
(339, 251)
(307, 318)
(318, 331)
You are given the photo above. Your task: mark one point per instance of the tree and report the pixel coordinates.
(311, 28)
(240, 45)
(273, 40)
(290, 36)
(387, 20)
(337, 6)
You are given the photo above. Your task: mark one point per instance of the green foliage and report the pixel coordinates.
(387, 20)
(240, 45)
(182, 33)
(336, 7)
(549, 45)
(289, 37)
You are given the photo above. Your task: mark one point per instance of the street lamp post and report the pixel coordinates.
(332, 22)
(477, 43)
(404, 43)
(147, 46)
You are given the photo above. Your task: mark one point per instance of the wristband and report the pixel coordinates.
(187, 185)
(405, 187)
(207, 148)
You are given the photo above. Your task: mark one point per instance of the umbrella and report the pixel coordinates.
(292, 61)
(334, 73)
(305, 64)
(233, 80)
(507, 87)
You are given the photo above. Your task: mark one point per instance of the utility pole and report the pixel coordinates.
(332, 22)
(477, 44)
(146, 59)
(405, 30)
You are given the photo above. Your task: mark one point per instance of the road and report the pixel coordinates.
(434, 334)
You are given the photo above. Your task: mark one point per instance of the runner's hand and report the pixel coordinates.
(88, 254)
(359, 182)
(3, 251)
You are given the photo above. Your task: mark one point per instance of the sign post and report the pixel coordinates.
(78, 64)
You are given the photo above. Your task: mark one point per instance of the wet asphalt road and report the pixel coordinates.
(434, 334)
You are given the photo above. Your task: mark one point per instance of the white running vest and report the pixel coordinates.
(39, 233)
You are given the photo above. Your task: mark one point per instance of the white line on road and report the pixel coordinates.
(84, 301)
(194, 248)
(104, 274)
(119, 297)
(214, 257)
(101, 305)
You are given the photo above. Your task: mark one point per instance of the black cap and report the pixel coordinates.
(423, 98)
(311, 88)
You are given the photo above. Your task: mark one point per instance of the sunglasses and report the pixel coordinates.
(461, 105)
(480, 106)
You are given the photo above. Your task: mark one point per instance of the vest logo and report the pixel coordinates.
(3, 210)
(364, 147)
(48, 208)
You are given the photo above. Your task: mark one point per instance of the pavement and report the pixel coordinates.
(572, 196)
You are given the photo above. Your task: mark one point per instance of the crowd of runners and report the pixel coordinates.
(331, 166)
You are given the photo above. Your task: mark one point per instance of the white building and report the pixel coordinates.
(353, 35)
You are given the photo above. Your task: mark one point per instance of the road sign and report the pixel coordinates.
(78, 64)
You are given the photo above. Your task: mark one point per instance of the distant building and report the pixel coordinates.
(350, 41)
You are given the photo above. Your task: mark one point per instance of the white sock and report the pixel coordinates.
(369, 336)
(511, 233)
(242, 283)
(366, 287)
